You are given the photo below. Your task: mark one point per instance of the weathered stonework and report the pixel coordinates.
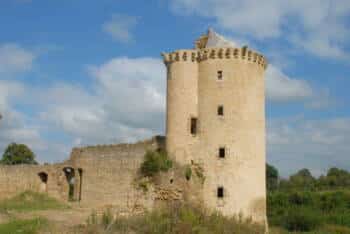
(108, 175)
(195, 90)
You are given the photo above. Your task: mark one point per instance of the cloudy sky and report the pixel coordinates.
(89, 72)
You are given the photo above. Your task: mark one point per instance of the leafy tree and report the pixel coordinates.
(18, 154)
(338, 177)
(302, 179)
(271, 177)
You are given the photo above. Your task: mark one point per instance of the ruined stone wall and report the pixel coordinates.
(15, 179)
(109, 173)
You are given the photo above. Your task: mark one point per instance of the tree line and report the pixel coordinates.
(335, 178)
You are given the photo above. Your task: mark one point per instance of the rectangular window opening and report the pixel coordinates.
(222, 152)
(220, 76)
(221, 110)
(220, 192)
(193, 126)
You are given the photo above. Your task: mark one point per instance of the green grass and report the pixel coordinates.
(30, 201)
(30, 226)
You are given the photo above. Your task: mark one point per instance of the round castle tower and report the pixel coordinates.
(182, 103)
(216, 117)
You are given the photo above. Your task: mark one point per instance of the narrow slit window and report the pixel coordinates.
(193, 126)
(222, 152)
(220, 192)
(221, 110)
(220, 75)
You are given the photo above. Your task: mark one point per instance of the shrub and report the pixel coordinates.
(155, 161)
(300, 198)
(301, 220)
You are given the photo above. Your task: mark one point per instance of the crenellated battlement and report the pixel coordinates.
(181, 55)
(198, 55)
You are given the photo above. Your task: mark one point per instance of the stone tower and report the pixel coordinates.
(216, 117)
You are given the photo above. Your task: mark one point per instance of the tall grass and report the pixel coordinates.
(30, 201)
(177, 218)
(30, 226)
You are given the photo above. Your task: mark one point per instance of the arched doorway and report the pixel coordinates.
(43, 181)
(70, 177)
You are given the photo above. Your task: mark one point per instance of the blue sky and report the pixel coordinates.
(89, 72)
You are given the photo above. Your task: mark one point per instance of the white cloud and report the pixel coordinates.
(316, 144)
(120, 27)
(317, 26)
(127, 103)
(14, 59)
(280, 87)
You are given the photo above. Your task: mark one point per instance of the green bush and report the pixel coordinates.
(155, 161)
(301, 220)
(305, 210)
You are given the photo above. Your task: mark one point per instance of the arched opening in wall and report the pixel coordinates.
(43, 181)
(70, 177)
(80, 171)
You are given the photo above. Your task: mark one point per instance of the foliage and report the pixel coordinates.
(308, 210)
(29, 226)
(303, 180)
(154, 162)
(271, 177)
(18, 154)
(186, 219)
(188, 172)
(29, 201)
(305, 203)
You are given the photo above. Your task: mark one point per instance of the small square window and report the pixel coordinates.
(220, 192)
(222, 152)
(220, 75)
(221, 110)
(193, 126)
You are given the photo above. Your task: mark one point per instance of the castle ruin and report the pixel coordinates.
(215, 121)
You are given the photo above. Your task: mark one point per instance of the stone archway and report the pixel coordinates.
(43, 181)
(69, 172)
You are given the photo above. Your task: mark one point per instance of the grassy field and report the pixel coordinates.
(184, 219)
(31, 226)
(298, 212)
(30, 201)
(26, 202)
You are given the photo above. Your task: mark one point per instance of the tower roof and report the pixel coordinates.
(213, 39)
